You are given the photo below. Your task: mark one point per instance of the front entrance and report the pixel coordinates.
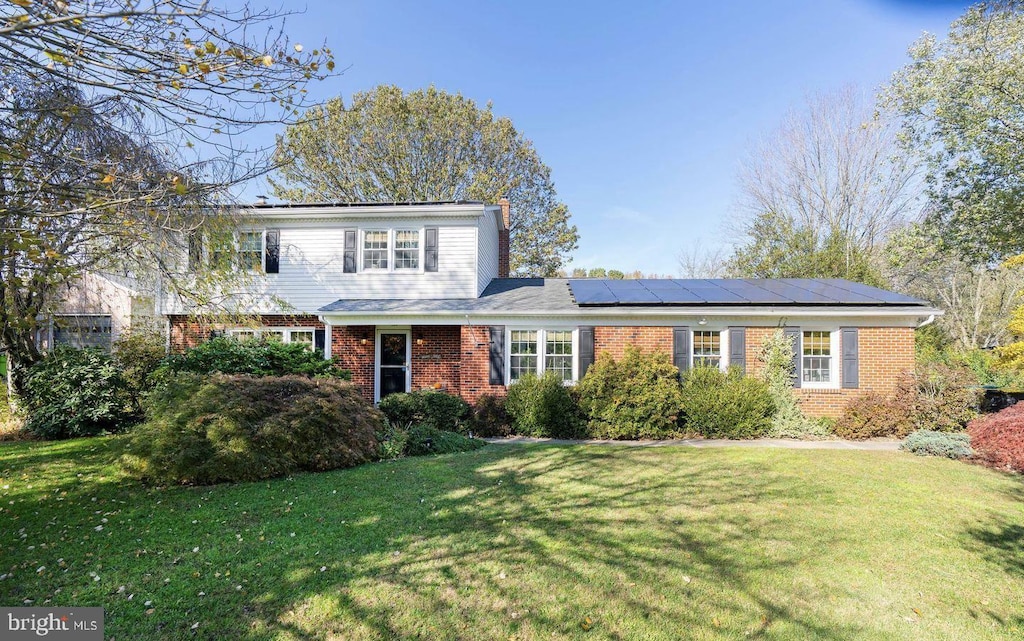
(393, 372)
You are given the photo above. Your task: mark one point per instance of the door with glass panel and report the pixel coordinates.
(393, 368)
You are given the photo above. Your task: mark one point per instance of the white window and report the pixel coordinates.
(250, 251)
(375, 249)
(304, 336)
(407, 249)
(523, 350)
(542, 350)
(707, 348)
(816, 358)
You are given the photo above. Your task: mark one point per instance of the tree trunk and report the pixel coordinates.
(22, 353)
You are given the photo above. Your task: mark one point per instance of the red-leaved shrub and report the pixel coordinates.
(998, 439)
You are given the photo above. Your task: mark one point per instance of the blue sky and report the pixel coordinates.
(643, 110)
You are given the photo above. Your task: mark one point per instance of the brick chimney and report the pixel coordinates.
(503, 237)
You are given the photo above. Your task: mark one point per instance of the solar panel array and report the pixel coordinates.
(724, 291)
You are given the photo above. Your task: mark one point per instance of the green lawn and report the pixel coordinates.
(526, 542)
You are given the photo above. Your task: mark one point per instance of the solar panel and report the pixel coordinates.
(725, 291)
(632, 292)
(592, 292)
(671, 292)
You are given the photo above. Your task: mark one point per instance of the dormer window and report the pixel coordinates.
(375, 249)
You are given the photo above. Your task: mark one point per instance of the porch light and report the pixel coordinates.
(703, 320)
(419, 341)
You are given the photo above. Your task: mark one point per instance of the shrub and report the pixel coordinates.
(203, 430)
(725, 405)
(935, 397)
(932, 443)
(998, 439)
(788, 421)
(77, 392)
(426, 439)
(875, 415)
(542, 406)
(489, 417)
(636, 397)
(254, 357)
(437, 409)
(137, 356)
(392, 440)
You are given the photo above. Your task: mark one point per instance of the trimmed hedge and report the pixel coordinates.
(636, 397)
(422, 440)
(998, 439)
(204, 430)
(932, 443)
(726, 405)
(437, 409)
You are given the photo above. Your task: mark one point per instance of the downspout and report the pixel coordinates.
(928, 321)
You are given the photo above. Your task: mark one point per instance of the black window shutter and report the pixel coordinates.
(681, 348)
(430, 250)
(586, 349)
(497, 355)
(349, 266)
(195, 251)
(273, 251)
(851, 364)
(738, 347)
(794, 333)
(320, 341)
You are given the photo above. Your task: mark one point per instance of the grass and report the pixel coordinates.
(526, 542)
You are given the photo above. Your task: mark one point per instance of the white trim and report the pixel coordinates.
(541, 347)
(834, 362)
(285, 331)
(723, 344)
(327, 339)
(373, 211)
(376, 357)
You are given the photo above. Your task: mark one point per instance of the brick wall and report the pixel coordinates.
(353, 346)
(884, 353)
(504, 249)
(436, 358)
(615, 339)
(189, 331)
(475, 370)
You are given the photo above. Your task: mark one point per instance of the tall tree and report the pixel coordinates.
(977, 299)
(961, 100)
(820, 195)
(422, 146)
(118, 126)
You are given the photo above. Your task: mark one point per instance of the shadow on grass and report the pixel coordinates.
(528, 541)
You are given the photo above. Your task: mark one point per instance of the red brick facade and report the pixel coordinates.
(615, 339)
(456, 359)
(884, 354)
(189, 331)
(504, 248)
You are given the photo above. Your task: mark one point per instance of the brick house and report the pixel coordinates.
(417, 295)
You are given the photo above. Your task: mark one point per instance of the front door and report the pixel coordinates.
(393, 368)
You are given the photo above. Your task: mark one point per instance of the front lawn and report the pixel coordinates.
(526, 542)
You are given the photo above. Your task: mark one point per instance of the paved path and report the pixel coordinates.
(885, 445)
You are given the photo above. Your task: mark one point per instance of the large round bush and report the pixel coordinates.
(203, 430)
(77, 392)
(636, 397)
(726, 405)
(542, 406)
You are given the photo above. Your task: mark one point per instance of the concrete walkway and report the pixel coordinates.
(880, 445)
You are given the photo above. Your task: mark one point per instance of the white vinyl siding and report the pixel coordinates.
(487, 251)
(312, 257)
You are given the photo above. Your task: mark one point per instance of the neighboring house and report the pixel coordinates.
(415, 296)
(96, 310)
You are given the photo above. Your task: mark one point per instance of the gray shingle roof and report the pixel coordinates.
(553, 295)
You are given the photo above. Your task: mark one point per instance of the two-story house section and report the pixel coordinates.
(418, 296)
